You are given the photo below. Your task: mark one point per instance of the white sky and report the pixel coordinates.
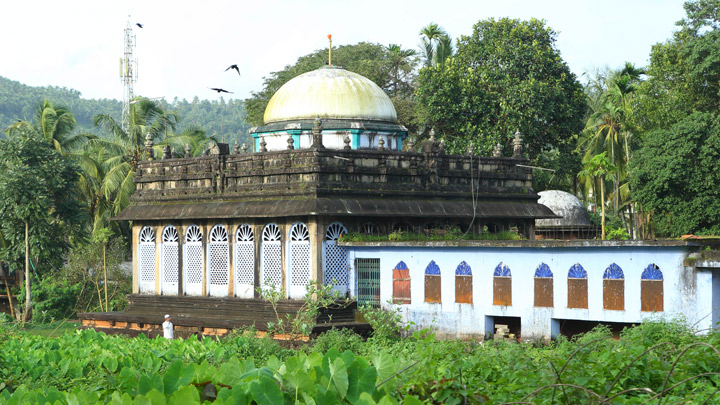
(186, 45)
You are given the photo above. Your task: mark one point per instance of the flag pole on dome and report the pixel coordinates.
(329, 50)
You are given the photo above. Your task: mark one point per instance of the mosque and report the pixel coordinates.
(331, 158)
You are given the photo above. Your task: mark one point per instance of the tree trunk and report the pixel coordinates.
(602, 202)
(28, 295)
(7, 287)
(105, 271)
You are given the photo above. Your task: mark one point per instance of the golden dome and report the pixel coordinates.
(330, 93)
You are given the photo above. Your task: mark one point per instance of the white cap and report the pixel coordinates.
(167, 316)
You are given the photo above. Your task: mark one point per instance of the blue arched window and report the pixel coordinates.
(577, 287)
(543, 286)
(577, 271)
(433, 286)
(502, 285)
(401, 284)
(651, 289)
(614, 288)
(463, 284)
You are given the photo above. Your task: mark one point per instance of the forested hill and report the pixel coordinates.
(224, 119)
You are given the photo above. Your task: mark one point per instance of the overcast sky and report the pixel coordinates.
(186, 45)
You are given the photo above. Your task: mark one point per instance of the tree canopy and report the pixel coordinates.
(506, 76)
(674, 172)
(37, 186)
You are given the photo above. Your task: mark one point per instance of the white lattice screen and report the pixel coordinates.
(245, 262)
(170, 267)
(146, 267)
(271, 272)
(219, 272)
(299, 263)
(336, 265)
(193, 268)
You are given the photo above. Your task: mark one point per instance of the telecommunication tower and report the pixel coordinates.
(128, 74)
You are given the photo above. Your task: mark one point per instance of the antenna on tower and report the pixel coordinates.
(128, 74)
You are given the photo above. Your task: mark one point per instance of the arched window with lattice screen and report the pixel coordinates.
(543, 286)
(146, 260)
(170, 261)
(463, 284)
(651, 289)
(299, 260)
(502, 285)
(271, 257)
(401, 284)
(577, 287)
(193, 260)
(335, 259)
(614, 288)
(244, 261)
(433, 283)
(218, 268)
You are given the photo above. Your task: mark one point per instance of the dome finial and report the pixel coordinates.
(329, 50)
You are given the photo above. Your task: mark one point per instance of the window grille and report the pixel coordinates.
(244, 261)
(193, 260)
(335, 263)
(299, 260)
(146, 260)
(219, 262)
(368, 282)
(169, 257)
(271, 256)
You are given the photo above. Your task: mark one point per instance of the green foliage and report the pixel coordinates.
(452, 234)
(338, 339)
(55, 299)
(299, 325)
(84, 277)
(656, 358)
(391, 68)
(37, 186)
(224, 119)
(507, 76)
(386, 323)
(674, 175)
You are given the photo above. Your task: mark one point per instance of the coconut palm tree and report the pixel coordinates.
(55, 123)
(121, 153)
(435, 45)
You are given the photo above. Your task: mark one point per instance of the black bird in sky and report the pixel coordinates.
(234, 67)
(220, 90)
(139, 25)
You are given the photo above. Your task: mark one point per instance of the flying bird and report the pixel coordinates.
(220, 90)
(234, 67)
(139, 25)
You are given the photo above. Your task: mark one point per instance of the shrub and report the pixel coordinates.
(340, 339)
(386, 323)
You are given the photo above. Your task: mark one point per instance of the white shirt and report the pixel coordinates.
(167, 330)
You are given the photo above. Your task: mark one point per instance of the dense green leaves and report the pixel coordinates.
(37, 187)
(89, 367)
(675, 175)
(507, 76)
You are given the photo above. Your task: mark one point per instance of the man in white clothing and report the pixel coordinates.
(167, 328)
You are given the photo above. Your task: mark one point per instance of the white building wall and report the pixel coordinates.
(687, 292)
